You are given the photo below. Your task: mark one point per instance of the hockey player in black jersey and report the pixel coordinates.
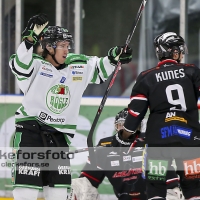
(170, 91)
(121, 162)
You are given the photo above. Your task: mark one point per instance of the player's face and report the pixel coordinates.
(62, 50)
(176, 55)
(119, 125)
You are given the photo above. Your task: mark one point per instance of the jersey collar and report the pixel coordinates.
(166, 61)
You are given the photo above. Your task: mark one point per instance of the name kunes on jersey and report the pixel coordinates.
(171, 74)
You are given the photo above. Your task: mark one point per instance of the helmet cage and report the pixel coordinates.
(120, 118)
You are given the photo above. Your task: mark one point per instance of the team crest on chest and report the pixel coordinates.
(58, 98)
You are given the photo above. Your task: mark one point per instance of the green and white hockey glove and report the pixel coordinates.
(116, 54)
(35, 26)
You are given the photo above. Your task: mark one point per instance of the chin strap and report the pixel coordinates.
(53, 56)
(179, 58)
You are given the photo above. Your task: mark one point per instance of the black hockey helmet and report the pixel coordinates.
(121, 117)
(53, 34)
(165, 45)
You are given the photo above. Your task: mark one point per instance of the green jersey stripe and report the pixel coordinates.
(67, 126)
(23, 112)
(94, 76)
(103, 68)
(22, 65)
(17, 139)
(24, 119)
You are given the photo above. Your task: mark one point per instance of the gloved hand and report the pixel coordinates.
(118, 140)
(116, 53)
(35, 26)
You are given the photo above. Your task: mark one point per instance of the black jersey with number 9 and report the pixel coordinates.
(170, 91)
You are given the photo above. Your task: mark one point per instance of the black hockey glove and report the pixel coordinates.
(35, 26)
(118, 140)
(116, 54)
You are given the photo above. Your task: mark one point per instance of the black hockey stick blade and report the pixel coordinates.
(114, 74)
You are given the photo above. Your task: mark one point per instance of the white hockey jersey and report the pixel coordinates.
(53, 96)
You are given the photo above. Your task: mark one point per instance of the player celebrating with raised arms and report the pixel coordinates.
(53, 86)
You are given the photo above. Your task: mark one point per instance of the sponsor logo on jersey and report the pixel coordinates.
(77, 67)
(191, 168)
(77, 78)
(166, 65)
(127, 173)
(181, 119)
(134, 194)
(18, 126)
(31, 171)
(105, 143)
(53, 119)
(112, 153)
(196, 138)
(115, 163)
(130, 178)
(47, 75)
(74, 58)
(76, 73)
(137, 159)
(169, 131)
(64, 169)
(138, 149)
(171, 116)
(46, 63)
(126, 158)
(46, 69)
(157, 169)
(63, 79)
(58, 98)
(121, 141)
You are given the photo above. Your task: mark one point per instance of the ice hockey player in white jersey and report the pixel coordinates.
(53, 86)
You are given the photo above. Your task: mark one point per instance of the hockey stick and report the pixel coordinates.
(114, 74)
(85, 149)
(100, 147)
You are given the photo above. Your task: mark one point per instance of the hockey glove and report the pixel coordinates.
(118, 141)
(116, 54)
(35, 26)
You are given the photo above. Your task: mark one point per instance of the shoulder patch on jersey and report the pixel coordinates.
(76, 58)
(104, 143)
(44, 62)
